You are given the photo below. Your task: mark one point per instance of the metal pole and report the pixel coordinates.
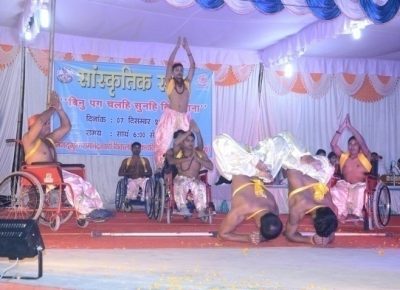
(96, 234)
(352, 234)
(52, 8)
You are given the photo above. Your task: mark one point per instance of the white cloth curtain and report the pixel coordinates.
(319, 88)
(314, 121)
(237, 109)
(10, 100)
(350, 88)
(384, 89)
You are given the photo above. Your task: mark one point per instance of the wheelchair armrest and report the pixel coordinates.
(202, 172)
(45, 163)
(80, 165)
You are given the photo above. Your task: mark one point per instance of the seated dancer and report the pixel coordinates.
(250, 199)
(189, 161)
(137, 169)
(39, 146)
(348, 193)
(175, 116)
(176, 150)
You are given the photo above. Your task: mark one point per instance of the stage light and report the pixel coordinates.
(356, 33)
(28, 34)
(21, 239)
(44, 16)
(288, 70)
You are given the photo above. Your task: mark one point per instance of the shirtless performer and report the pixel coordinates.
(348, 194)
(189, 161)
(137, 169)
(39, 146)
(250, 198)
(308, 194)
(175, 116)
(269, 156)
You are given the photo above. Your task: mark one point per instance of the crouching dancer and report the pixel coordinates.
(250, 198)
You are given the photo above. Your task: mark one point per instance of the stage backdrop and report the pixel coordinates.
(112, 105)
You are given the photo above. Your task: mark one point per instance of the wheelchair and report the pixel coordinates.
(144, 197)
(164, 201)
(37, 192)
(377, 203)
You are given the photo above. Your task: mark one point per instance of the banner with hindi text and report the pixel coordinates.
(112, 105)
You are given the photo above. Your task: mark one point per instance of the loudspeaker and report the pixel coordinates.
(21, 239)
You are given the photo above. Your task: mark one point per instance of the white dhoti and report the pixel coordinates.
(84, 197)
(182, 185)
(134, 186)
(170, 121)
(233, 159)
(282, 150)
(348, 198)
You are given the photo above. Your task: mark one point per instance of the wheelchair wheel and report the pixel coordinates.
(148, 198)
(120, 193)
(159, 199)
(51, 216)
(381, 206)
(21, 196)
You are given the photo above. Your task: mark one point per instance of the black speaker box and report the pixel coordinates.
(20, 238)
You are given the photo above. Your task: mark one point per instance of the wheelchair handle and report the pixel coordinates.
(11, 140)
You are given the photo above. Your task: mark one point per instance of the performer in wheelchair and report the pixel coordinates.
(348, 193)
(178, 137)
(189, 160)
(39, 146)
(137, 169)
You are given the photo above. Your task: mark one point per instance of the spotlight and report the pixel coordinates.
(356, 33)
(44, 16)
(288, 70)
(28, 34)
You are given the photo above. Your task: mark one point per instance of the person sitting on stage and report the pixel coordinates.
(333, 160)
(39, 146)
(189, 161)
(137, 169)
(250, 198)
(175, 116)
(348, 194)
(178, 137)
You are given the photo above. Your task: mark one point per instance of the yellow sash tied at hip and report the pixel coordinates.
(320, 190)
(258, 188)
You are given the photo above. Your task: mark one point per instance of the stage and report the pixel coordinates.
(73, 259)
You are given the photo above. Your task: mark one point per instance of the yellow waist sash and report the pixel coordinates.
(33, 150)
(255, 213)
(36, 147)
(314, 208)
(361, 157)
(259, 188)
(320, 190)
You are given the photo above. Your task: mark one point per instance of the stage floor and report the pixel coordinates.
(73, 259)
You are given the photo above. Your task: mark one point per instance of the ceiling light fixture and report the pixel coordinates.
(36, 15)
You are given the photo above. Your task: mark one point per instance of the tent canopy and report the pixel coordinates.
(236, 25)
